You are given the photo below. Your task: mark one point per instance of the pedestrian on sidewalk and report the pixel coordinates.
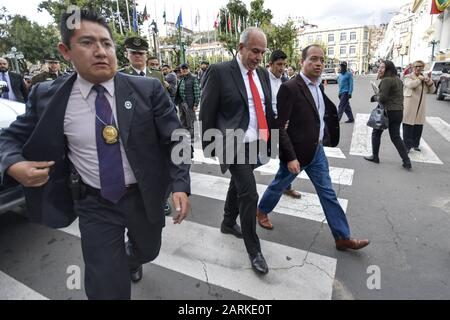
(345, 80)
(313, 123)
(390, 97)
(416, 86)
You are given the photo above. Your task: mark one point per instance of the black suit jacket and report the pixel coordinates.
(145, 131)
(296, 105)
(18, 87)
(224, 105)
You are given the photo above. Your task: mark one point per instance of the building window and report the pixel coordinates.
(352, 36)
(319, 39)
(343, 51)
(366, 35)
(330, 51)
(352, 50)
(343, 36)
(310, 39)
(365, 49)
(330, 37)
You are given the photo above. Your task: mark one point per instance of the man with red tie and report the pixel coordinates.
(236, 101)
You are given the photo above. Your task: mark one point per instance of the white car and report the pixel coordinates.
(330, 75)
(10, 196)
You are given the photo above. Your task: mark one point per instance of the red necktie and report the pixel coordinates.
(262, 122)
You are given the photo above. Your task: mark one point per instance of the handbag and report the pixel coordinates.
(378, 118)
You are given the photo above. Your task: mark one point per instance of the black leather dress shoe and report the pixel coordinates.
(234, 230)
(372, 159)
(136, 275)
(259, 264)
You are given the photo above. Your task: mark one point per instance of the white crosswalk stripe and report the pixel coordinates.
(11, 289)
(442, 127)
(341, 176)
(361, 144)
(308, 207)
(192, 249)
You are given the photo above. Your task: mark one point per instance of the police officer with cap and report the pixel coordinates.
(137, 50)
(52, 63)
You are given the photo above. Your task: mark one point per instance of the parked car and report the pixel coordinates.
(11, 197)
(330, 75)
(435, 71)
(443, 90)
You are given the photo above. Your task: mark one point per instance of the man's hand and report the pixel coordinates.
(31, 173)
(294, 166)
(181, 204)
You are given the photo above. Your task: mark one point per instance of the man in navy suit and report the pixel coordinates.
(109, 134)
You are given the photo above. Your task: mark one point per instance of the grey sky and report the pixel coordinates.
(330, 13)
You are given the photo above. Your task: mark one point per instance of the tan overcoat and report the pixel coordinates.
(414, 106)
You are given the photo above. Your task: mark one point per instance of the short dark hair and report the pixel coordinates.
(305, 50)
(390, 70)
(277, 55)
(165, 66)
(152, 58)
(85, 15)
(293, 68)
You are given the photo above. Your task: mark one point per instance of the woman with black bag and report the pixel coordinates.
(390, 97)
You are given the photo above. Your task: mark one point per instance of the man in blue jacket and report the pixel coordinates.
(345, 81)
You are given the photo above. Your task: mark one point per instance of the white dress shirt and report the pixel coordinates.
(252, 132)
(275, 84)
(79, 128)
(318, 99)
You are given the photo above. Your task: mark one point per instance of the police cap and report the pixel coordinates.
(137, 44)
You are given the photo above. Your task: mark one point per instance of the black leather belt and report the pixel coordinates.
(96, 192)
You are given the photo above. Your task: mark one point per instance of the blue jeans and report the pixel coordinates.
(319, 174)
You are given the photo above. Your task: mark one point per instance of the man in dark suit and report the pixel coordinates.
(236, 101)
(17, 90)
(109, 134)
(307, 120)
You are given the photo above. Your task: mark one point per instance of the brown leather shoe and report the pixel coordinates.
(292, 193)
(263, 220)
(354, 244)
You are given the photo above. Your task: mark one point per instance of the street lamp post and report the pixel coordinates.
(433, 44)
(15, 55)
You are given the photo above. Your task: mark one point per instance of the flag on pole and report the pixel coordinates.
(179, 22)
(164, 16)
(135, 22)
(229, 23)
(145, 15)
(197, 18)
(239, 25)
(438, 6)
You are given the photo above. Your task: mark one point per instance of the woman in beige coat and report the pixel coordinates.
(416, 86)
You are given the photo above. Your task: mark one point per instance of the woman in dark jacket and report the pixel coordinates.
(390, 97)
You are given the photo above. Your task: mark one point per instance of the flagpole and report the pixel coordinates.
(128, 15)
(119, 17)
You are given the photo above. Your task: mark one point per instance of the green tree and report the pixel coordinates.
(106, 8)
(284, 37)
(259, 16)
(33, 40)
(232, 11)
